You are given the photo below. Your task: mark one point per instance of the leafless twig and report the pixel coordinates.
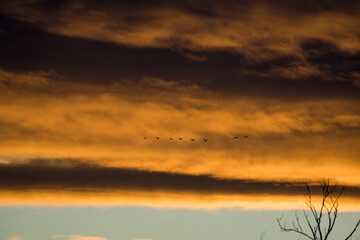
(318, 229)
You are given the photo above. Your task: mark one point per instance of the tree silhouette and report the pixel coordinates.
(319, 222)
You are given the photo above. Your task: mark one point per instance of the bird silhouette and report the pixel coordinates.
(192, 139)
(236, 138)
(171, 139)
(180, 139)
(145, 137)
(157, 138)
(246, 136)
(205, 140)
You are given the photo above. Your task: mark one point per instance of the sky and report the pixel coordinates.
(105, 105)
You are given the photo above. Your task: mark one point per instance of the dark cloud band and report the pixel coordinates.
(69, 175)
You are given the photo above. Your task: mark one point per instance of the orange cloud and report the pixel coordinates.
(77, 237)
(164, 200)
(107, 124)
(42, 117)
(16, 238)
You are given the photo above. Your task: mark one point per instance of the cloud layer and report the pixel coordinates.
(98, 81)
(291, 40)
(82, 176)
(64, 182)
(107, 124)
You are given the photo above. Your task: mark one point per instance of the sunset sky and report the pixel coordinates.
(86, 86)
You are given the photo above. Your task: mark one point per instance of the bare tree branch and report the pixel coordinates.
(328, 210)
(285, 229)
(356, 226)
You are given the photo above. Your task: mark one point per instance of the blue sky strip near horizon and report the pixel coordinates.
(128, 223)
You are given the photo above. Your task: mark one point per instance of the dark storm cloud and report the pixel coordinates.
(334, 63)
(323, 66)
(208, 8)
(294, 50)
(62, 174)
(107, 63)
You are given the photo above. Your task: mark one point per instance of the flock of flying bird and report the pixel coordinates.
(193, 139)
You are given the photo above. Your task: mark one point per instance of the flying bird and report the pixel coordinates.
(192, 139)
(171, 139)
(205, 140)
(236, 138)
(180, 139)
(246, 136)
(145, 137)
(157, 138)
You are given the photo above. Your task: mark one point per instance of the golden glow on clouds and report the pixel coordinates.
(106, 124)
(159, 199)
